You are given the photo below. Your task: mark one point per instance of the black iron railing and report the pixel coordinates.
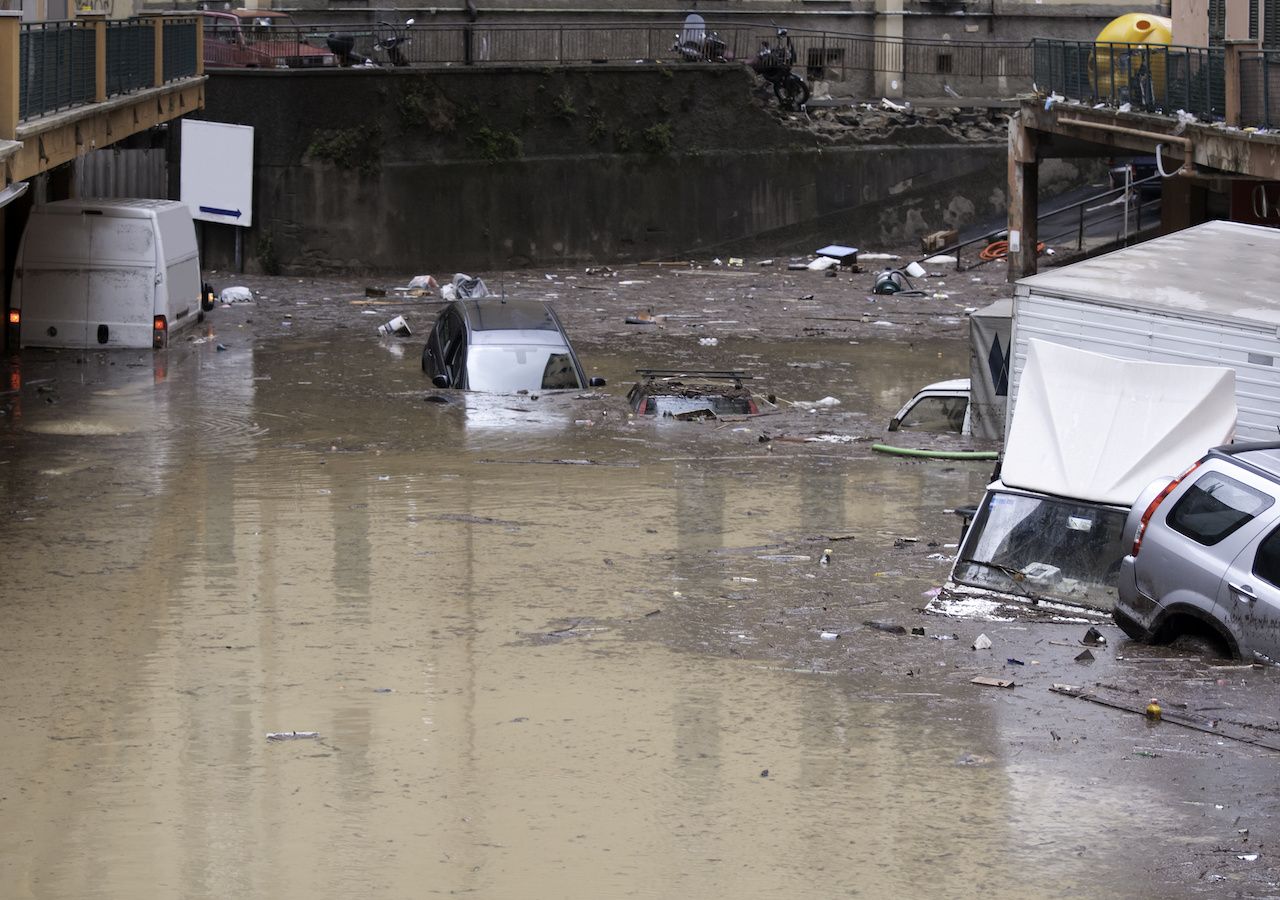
(58, 61)
(55, 67)
(131, 49)
(819, 54)
(1149, 77)
(1260, 88)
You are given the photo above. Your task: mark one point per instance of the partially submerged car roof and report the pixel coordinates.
(494, 314)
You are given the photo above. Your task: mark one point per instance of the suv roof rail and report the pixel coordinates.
(729, 374)
(1236, 453)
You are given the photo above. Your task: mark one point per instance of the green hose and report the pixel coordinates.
(936, 454)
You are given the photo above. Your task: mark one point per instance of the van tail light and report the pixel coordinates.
(15, 317)
(159, 332)
(1151, 507)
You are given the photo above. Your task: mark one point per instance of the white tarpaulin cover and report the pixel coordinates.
(1098, 428)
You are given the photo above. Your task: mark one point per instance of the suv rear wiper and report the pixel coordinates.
(1014, 575)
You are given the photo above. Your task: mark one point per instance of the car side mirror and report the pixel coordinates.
(595, 381)
(440, 381)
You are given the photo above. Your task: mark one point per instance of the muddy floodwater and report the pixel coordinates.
(537, 647)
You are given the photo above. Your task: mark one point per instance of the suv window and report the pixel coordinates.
(1214, 507)
(1266, 565)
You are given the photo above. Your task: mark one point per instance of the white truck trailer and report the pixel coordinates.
(1208, 295)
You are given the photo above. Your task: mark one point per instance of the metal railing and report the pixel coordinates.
(1149, 77)
(1260, 88)
(55, 67)
(819, 54)
(58, 65)
(131, 47)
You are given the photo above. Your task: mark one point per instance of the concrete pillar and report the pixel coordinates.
(889, 64)
(1191, 22)
(10, 25)
(1024, 207)
(1183, 203)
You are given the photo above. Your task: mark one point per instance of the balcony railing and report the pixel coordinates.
(1260, 88)
(1164, 79)
(62, 65)
(819, 54)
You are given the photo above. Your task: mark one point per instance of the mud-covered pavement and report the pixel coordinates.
(549, 650)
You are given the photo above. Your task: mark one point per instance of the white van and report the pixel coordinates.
(105, 273)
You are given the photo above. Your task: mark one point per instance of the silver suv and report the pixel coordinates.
(1205, 554)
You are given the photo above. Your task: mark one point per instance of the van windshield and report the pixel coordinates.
(1045, 548)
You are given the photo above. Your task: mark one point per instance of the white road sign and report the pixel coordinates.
(217, 171)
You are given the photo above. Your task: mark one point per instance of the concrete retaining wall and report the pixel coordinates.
(400, 171)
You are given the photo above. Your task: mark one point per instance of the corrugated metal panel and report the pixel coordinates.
(1143, 335)
(111, 173)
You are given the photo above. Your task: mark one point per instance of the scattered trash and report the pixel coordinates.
(915, 270)
(972, 759)
(822, 263)
(890, 281)
(1153, 711)
(826, 557)
(464, 287)
(1247, 857)
(825, 402)
(764, 773)
(745, 579)
(1094, 638)
(735, 262)
(830, 635)
(375, 292)
(918, 630)
(708, 341)
(887, 627)
(382, 690)
(397, 326)
(1195, 724)
(1014, 662)
(237, 294)
(422, 285)
(292, 735)
(982, 642)
(221, 348)
(1085, 656)
(765, 262)
(944, 637)
(936, 240)
(992, 682)
(941, 260)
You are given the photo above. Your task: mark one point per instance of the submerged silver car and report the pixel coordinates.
(502, 346)
(1204, 555)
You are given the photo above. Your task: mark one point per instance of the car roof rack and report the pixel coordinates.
(727, 374)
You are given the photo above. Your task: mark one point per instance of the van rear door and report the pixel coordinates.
(122, 280)
(54, 291)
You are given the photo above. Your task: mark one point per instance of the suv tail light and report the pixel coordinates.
(159, 332)
(1151, 507)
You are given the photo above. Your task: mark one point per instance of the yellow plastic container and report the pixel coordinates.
(1119, 58)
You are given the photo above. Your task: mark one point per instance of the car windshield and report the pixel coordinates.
(507, 369)
(1044, 548)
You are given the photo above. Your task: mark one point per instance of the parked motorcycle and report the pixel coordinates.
(695, 44)
(774, 65)
(391, 40)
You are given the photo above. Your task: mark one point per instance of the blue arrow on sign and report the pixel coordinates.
(213, 210)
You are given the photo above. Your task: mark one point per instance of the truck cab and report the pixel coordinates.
(939, 407)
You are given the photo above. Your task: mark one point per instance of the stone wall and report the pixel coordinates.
(412, 170)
